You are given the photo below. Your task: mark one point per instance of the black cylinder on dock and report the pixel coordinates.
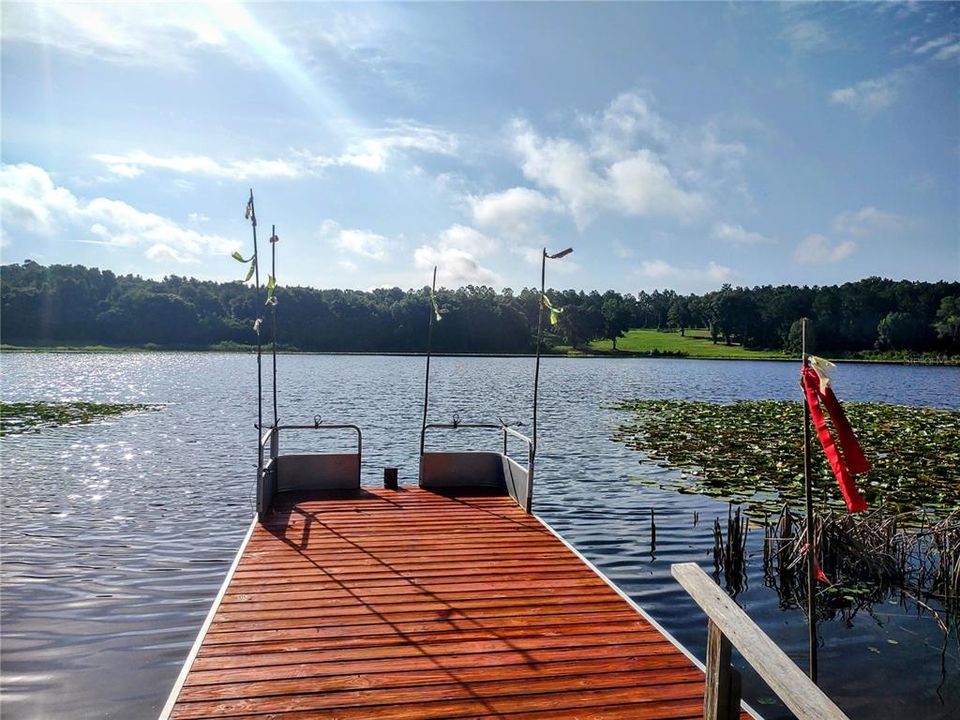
(390, 481)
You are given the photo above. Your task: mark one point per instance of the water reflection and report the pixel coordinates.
(117, 535)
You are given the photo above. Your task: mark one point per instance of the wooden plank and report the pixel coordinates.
(529, 623)
(677, 682)
(716, 695)
(563, 704)
(504, 660)
(434, 676)
(414, 605)
(783, 676)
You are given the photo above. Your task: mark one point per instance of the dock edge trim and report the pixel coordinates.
(198, 643)
(643, 613)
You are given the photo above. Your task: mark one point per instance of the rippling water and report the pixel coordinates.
(116, 536)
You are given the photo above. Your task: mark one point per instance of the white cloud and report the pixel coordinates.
(949, 52)
(562, 166)
(603, 175)
(865, 221)
(347, 265)
(628, 118)
(935, 44)
(161, 252)
(370, 150)
(737, 234)
(661, 271)
(470, 241)
(513, 212)
(145, 34)
(807, 34)
(198, 217)
(657, 269)
(455, 267)
(134, 163)
(456, 254)
(642, 185)
(820, 250)
(178, 35)
(364, 243)
(870, 96)
(32, 203)
(945, 47)
(621, 251)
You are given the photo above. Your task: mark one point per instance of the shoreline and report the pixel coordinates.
(948, 361)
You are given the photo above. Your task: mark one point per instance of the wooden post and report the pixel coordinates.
(801, 696)
(811, 534)
(721, 697)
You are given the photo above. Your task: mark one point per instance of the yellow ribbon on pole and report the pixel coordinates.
(554, 311)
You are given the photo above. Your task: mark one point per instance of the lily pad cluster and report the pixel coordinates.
(751, 452)
(23, 417)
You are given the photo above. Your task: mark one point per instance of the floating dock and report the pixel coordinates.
(419, 604)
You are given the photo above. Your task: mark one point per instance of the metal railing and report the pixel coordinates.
(507, 433)
(271, 438)
(727, 627)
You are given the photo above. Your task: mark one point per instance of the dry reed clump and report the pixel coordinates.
(866, 558)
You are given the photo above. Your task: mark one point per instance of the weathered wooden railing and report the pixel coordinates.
(728, 626)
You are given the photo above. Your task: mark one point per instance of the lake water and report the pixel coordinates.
(116, 536)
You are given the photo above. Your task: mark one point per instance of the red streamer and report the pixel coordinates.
(852, 452)
(841, 470)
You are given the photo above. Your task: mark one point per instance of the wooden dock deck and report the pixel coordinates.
(412, 604)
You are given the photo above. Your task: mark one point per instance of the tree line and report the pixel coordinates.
(75, 305)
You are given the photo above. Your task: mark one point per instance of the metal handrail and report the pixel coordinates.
(273, 436)
(506, 429)
(507, 432)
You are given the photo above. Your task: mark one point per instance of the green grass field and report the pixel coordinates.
(696, 344)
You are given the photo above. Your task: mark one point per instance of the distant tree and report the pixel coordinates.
(71, 304)
(579, 325)
(724, 310)
(616, 317)
(899, 331)
(794, 344)
(947, 323)
(678, 316)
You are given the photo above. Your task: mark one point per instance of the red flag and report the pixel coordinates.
(853, 454)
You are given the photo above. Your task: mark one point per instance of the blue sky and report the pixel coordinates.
(673, 145)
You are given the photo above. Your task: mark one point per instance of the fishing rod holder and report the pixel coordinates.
(477, 469)
(298, 472)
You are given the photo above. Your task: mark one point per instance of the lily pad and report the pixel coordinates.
(752, 452)
(24, 417)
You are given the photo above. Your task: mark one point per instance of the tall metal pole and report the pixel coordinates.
(426, 382)
(536, 370)
(258, 323)
(811, 534)
(273, 308)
